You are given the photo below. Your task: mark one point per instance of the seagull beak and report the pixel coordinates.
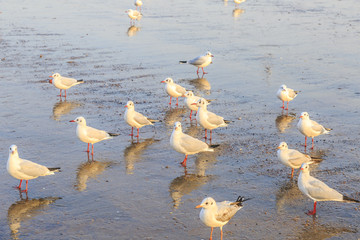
(176, 128)
(50, 76)
(12, 152)
(72, 121)
(212, 55)
(194, 103)
(126, 106)
(50, 81)
(198, 206)
(301, 169)
(301, 116)
(278, 147)
(162, 82)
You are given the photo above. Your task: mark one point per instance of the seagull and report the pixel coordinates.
(24, 169)
(207, 119)
(138, 3)
(134, 15)
(317, 190)
(135, 119)
(200, 61)
(215, 214)
(286, 94)
(237, 2)
(63, 83)
(90, 135)
(293, 158)
(310, 128)
(190, 98)
(173, 89)
(186, 144)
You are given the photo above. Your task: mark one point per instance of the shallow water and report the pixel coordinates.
(138, 190)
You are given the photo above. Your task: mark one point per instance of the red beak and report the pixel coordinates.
(162, 82)
(301, 116)
(50, 76)
(212, 55)
(301, 169)
(194, 103)
(72, 121)
(126, 106)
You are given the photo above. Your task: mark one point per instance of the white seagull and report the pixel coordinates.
(138, 3)
(173, 89)
(186, 144)
(310, 128)
(134, 15)
(237, 2)
(207, 119)
(215, 214)
(90, 135)
(286, 94)
(63, 83)
(200, 61)
(190, 98)
(24, 169)
(135, 119)
(293, 158)
(317, 190)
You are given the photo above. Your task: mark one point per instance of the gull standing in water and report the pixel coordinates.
(138, 3)
(133, 15)
(207, 119)
(63, 83)
(24, 169)
(187, 144)
(317, 190)
(200, 61)
(292, 158)
(190, 98)
(173, 89)
(135, 119)
(310, 128)
(90, 135)
(286, 94)
(215, 214)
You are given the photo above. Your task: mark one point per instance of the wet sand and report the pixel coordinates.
(139, 190)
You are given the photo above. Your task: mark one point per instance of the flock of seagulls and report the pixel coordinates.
(213, 214)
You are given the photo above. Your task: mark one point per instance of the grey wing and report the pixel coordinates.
(96, 133)
(33, 169)
(215, 119)
(191, 144)
(180, 89)
(291, 93)
(198, 60)
(226, 211)
(320, 191)
(68, 81)
(141, 119)
(297, 158)
(316, 127)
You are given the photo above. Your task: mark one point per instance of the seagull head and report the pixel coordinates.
(188, 94)
(177, 126)
(304, 115)
(168, 80)
(80, 121)
(208, 202)
(201, 103)
(283, 87)
(130, 105)
(305, 167)
(282, 146)
(13, 149)
(208, 53)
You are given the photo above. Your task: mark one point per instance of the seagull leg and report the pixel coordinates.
(60, 93)
(184, 162)
(132, 131)
(92, 149)
(210, 134)
(203, 71)
(221, 233)
(287, 106)
(313, 212)
(292, 173)
(312, 146)
(305, 140)
(65, 93)
(190, 114)
(137, 133)
(211, 233)
(88, 148)
(177, 101)
(26, 189)
(19, 187)
(205, 133)
(170, 100)
(283, 106)
(197, 71)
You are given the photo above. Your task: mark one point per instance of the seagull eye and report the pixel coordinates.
(206, 203)
(211, 203)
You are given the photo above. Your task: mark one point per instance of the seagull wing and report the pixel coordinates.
(96, 134)
(297, 158)
(33, 169)
(226, 211)
(68, 81)
(192, 145)
(215, 119)
(322, 192)
(198, 60)
(141, 119)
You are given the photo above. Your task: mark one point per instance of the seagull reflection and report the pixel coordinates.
(283, 122)
(323, 231)
(89, 170)
(194, 129)
(174, 115)
(237, 12)
(288, 195)
(133, 153)
(24, 210)
(132, 30)
(63, 107)
(201, 84)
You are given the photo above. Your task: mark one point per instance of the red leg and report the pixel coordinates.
(60, 93)
(305, 140)
(170, 100)
(211, 233)
(221, 233)
(205, 133)
(283, 106)
(197, 71)
(210, 135)
(184, 162)
(190, 114)
(88, 148)
(195, 113)
(312, 147)
(65, 93)
(287, 106)
(203, 71)
(292, 173)
(19, 187)
(313, 212)
(132, 132)
(26, 189)
(92, 149)
(177, 103)
(137, 133)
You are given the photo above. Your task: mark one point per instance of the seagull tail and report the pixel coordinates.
(80, 81)
(347, 199)
(239, 201)
(114, 134)
(316, 159)
(214, 145)
(153, 120)
(55, 169)
(181, 62)
(227, 121)
(328, 130)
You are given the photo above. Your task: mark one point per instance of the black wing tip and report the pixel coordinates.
(80, 81)
(55, 169)
(227, 121)
(114, 134)
(182, 61)
(240, 200)
(345, 198)
(214, 145)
